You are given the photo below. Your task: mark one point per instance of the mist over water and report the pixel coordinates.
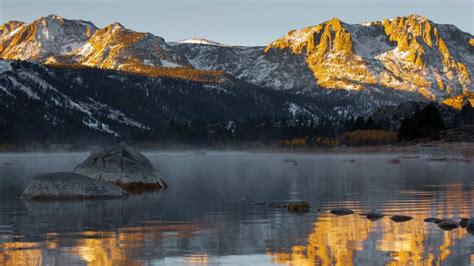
(199, 219)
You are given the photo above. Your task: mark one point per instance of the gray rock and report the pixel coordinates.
(401, 218)
(375, 215)
(341, 211)
(298, 207)
(124, 166)
(448, 224)
(70, 186)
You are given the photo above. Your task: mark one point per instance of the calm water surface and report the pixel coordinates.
(199, 220)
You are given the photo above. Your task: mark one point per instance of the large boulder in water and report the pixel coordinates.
(123, 166)
(70, 186)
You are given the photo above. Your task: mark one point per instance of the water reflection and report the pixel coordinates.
(199, 221)
(352, 240)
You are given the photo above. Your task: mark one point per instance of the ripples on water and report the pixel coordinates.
(199, 220)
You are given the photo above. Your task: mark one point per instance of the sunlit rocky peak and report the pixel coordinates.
(46, 36)
(404, 53)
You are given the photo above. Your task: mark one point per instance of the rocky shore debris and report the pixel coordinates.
(123, 166)
(70, 186)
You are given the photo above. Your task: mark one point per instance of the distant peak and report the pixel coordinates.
(116, 26)
(417, 17)
(55, 17)
(201, 41)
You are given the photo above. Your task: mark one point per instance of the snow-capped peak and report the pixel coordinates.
(55, 17)
(201, 41)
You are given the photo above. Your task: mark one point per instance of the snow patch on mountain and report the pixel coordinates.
(295, 110)
(169, 64)
(24, 88)
(201, 41)
(5, 66)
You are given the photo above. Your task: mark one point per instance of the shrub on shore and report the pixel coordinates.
(368, 137)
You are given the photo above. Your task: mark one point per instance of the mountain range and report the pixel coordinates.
(334, 70)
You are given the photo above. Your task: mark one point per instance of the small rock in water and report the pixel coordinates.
(401, 218)
(7, 163)
(470, 226)
(350, 161)
(463, 222)
(245, 200)
(342, 211)
(70, 186)
(432, 220)
(448, 224)
(276, 205)
(394, 161)
(375, 215)
(291, 161)
(298, 207)
(437, 159)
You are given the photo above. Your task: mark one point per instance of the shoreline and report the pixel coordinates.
(463, 149)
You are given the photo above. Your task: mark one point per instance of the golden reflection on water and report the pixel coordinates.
(197, 259)
(98, 248)
(335, 240)
(21, 253)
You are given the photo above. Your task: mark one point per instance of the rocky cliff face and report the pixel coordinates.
(42, 38)
(405, 53)
(119, 48)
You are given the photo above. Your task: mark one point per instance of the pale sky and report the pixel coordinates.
(236, 22)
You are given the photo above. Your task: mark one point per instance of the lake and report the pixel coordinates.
(199, 219)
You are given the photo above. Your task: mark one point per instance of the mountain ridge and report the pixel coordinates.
(411, 54)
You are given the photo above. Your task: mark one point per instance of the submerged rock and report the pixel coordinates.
(394, 161)
(401, 218)
(342, 211)
(290, 161)
(70, 186)
(298, 207)
(375, 215)
(123, 166)
(448, 224)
